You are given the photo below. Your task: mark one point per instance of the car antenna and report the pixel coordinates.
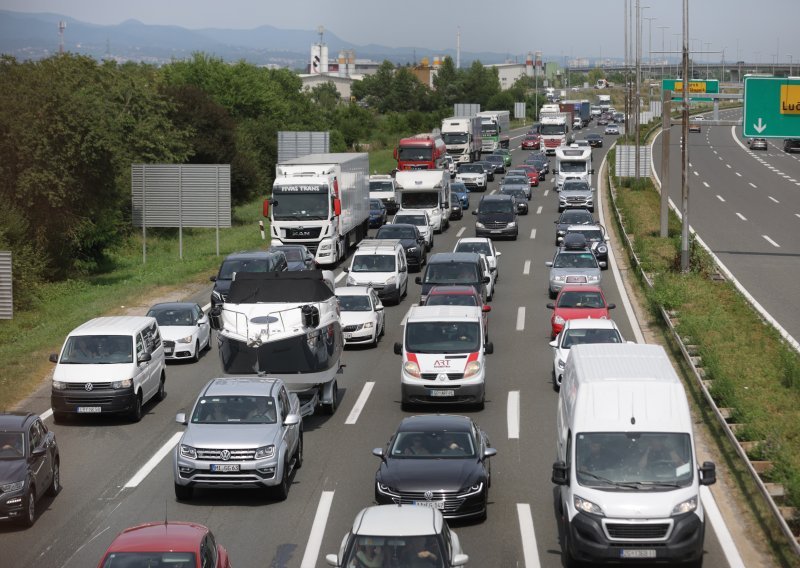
(166, 512)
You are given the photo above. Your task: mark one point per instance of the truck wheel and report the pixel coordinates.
(183, 492)
(331, 408)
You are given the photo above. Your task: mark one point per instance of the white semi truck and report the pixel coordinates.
(320, 201)
(555, 130)
(494, 129)
(462, 137)
(426, 189)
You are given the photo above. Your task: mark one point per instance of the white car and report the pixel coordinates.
(421, 219)
(450, 165)
(185, 329)
(577, 124)
(580, 331)
(362, 315)
(473, 176)
(483, 246)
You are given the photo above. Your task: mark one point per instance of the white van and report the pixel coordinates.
(380, 263)
(109, 365)
(443, 351)
(626, 463)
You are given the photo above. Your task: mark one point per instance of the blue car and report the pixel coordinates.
(377, 213)
(460, 190)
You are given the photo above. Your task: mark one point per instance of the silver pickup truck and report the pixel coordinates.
(242, 432)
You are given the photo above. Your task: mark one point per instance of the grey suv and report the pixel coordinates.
(242, 431)
(574, 263)
(575, 194)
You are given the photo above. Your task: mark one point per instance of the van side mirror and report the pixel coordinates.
(398, 348)
(488, 349)
(215, 317)
(418, 279)
(145, 357)
(213, 278)
(487, 279)
(591, 171)
(708, 473)
(612, 306)
(180, 418)
(53, 357)
(560, 473)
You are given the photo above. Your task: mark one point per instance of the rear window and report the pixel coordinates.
(452, 273)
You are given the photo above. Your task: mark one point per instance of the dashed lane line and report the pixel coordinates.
(721, 198)
(773, 199)
(705, 183)
(533, 233)
(317, 530)
(521, 318)
(460, 232)
(754, 186)
(526, 269)
(339, 277)
(512, 415)
(530, 551)
(770, 241)
(539, 210)
(151, 464)
(742, 217)
(361, 402)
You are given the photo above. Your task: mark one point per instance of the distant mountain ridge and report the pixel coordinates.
(35, 35)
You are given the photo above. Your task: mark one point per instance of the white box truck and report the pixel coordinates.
(462, 137)
(494, 129)
(573, 162)
(626, 463)
(320, 201)
(428, 190)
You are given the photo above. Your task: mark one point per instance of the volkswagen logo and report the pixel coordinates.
(225, 455)
(88, 386)
(428, 495)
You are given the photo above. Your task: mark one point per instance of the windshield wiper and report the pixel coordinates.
(626, 485)
(659, 484)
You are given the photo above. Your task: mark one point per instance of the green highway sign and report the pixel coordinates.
(771, 107)
(695, 86)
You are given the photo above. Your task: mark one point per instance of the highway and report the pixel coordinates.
(745, 205)
(112, 479)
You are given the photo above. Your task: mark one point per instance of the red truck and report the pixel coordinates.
(421, 152)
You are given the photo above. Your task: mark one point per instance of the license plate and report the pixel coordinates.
(348, 335)
(224, 467)
(496, 231)
(89, 409)
(637, 553)
(168, 351)
(431, 504)
(443, 392)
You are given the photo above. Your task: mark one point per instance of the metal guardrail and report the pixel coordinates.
(702, 383)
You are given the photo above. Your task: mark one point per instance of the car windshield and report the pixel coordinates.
(553, 129)
(576, 299)
(381, 186)
(418, 220)
(576, 217)
(373, 263)
(615, 461)
(148, 559)
(518, 180)
(474, 246)
(591, 235)
(443, 337)
(413, 153)
(232, 266)
(292, 253)
(235, 409)
(394, 551)
(496, 206)
(581, 336)
(390, 232)
(458, 188)
(451, 138)
(98, 349)
(575, 260)
(355, 303)
(375, 204)
(451, 300)
(172, 316)
(12, 445)
(452, 273)
(573, 167)
(433, 444)
(576, 186)
(514, 192)
(470, 168)
(494, 158)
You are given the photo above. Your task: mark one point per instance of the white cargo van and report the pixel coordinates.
(626, 462)
(109, 365)
(443, 351)
(380, 263)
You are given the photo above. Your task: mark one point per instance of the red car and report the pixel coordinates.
(459, 296)
(532, 173)
(577, 302)
(531, 142)
(166, 544)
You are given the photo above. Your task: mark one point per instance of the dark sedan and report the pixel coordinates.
(498, 161)
(438, 461)
(572, 217)
(298, 257)
(412, 240)
(519, 196)
(456, 210)
(595, 140)
(377, 213)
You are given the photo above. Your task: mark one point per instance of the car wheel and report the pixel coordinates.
(383, 327)
(183, 492)
(208, 343)
(136, 412)
(55, 485)
(406, 406)
(162, 392)
(298, 455)
(398, 297)
(281, 491)
(60, 417)
(551, 294)
(29, 515)
(480, 405)
(556, 386)
(331, 408)
(196, 356)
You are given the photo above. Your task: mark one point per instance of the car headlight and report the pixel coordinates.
(561, 364)
(686, 507)
(123, 384)
(585, 506)
(385, 488)
(558, 278)
(187, 339)
(391, 281)
(188, 452)
(411, 368)
(11, 487)
(265, 452)
(472, 368)
(478, 225)
(59, 385)
(368, 325)
(472, 489)
(559, 320)
(351, 281)
(512, 224)
(593, 278)
(325, 246)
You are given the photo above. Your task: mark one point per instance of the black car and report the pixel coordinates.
(596, 239)
(437, 458)
(253, 261)
(572, 217)
(298, 257)
(29, 465)
(519, 196)
(595, 140)
(455, 268)
(377, 213)
(496, 216)
(488, 167)
(498, 161)
(456, 210)
(411, 239)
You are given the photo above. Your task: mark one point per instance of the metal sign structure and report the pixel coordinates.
(695, 87)
(771, 107)
(519, 111)
(626, 161)
(6, 288)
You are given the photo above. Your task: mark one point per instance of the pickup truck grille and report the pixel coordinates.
(206, 454)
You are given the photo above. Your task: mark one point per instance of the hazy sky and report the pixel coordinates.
(751, 30)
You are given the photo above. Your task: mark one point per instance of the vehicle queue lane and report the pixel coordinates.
(258, 531)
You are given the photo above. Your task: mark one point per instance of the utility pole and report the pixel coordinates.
(649, 47)
(663, 53)
(666, 127)
(62, 25)
(637, 102)
(685, 144)
(790, 64)
(708, 48)
(627, 92)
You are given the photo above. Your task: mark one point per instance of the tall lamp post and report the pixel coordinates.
(663, 53)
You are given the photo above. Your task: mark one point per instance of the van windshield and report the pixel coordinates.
(452, 273)
(633, 460)
(373, 263)
(443, 337)
(98, 350)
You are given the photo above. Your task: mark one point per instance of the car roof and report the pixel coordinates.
(450, 422)
(401, 225)
(454, 256)
(173, 305)
(14, 420)
(262, 386)
(251, 254)
(453, 289)
(474, 240)
(160, 536)
(113, 325)
(411, 212)
(590, 323)
(580, 288)
(495, 197)
(444, 313)
(380, 177)
(398, 520)
(352, 290)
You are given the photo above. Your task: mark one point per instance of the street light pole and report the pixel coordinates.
(649, 47)
(663, 53)
(790, 64)
(685, 144)
(637, 102)
(708, 48)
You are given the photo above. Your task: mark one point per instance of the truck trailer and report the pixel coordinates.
(462, 137)
(494, 129)
(320, 201)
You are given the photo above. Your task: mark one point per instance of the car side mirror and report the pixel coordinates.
(459, 560)
(498, 253)
(180, 418)
(475, 212)
(591, 171)
(549, 263)
(379, 308)
(418, 279)
(145, 357)
(398, 348)
(213, 278)
(551, 306)
(53, 357)
(708, 473)
(332, 559)
(404, 269)
(378, 453)
(612, 306)
(488, 349)
(345, 269)
(489, 452)
(560, 474)
(38, 452)
(554, 343)
(487, 279)
(292, 420)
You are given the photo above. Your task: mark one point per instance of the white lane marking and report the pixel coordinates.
(546, 192)
(460, 232)
(738, 174)
(695, 173)
(797, 215)
(721, 198)
(715, 151)
(742, 217)
(705, 183)
(773, 199)
(361, 401)
(533, 233)
(520, 318)
(526, 269)
(726, 541)
(786, 175)
(690, 164)
(719, 157)
(154, 461)
(317, 530)
(754, 186)
(530, 552)
(727, 166)
(405, 316)
(770, 241)
(539, 210)
(792, 180)
(339, 277)
(49, 412)
(512, 414)
(493, 192)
